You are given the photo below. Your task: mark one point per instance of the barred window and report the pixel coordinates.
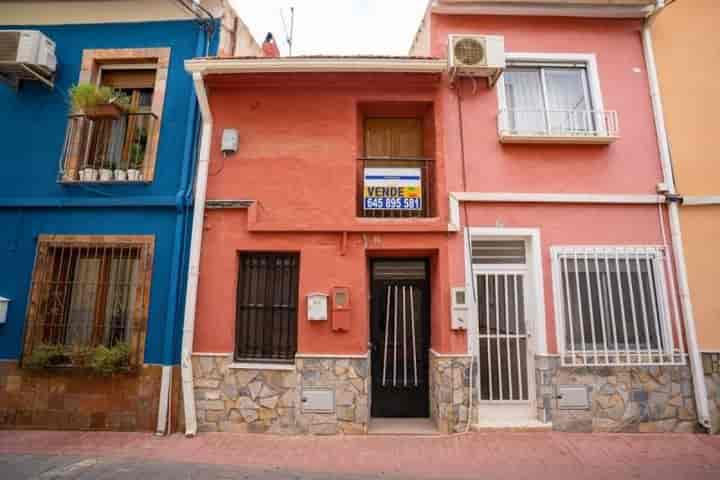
(267, 303)
(89, 291)
(614, 305)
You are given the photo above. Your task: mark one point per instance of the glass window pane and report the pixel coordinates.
(525, 104)
(567, 97)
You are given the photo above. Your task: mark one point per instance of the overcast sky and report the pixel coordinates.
(336, 26)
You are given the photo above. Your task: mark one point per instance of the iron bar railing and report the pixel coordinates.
(563, 123)
(398, 209)
(85, 295)
(108, 149)
(267, 304)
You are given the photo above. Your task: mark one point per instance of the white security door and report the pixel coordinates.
(504, 350)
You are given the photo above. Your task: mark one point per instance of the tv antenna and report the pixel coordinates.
(289, 33)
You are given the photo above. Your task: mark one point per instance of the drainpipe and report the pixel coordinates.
(194, 262)
(699, 387)
(178, 247)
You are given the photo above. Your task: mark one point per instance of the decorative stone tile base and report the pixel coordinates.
(711, 368)
(622, 399)
(449, 391)
(259, 401)
(74, 399)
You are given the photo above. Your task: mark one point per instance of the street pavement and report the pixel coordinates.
(486, 456)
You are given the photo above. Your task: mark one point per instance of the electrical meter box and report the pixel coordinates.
(460, 310)
(341, 309)
(317, 306)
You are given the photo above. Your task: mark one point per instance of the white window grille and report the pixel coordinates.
(613, 307)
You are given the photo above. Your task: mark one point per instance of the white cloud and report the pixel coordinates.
(337, 27)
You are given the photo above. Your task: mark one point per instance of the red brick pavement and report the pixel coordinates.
(475, 455)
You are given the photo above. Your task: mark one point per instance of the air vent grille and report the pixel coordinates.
(469, 51)
(9, 43)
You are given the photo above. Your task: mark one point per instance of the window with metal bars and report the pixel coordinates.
(615, 307)
(267, 304)
(89, 291)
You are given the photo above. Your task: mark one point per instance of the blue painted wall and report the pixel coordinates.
(32, 202)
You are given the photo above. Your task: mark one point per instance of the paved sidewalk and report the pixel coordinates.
(42, 455)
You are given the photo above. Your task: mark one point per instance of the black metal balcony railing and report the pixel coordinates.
(108, 149)
(399, 208)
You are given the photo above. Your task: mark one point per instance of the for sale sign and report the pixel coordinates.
(392, 189)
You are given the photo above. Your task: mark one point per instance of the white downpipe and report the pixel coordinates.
(194, 263)
(164, 400)
(675, 231)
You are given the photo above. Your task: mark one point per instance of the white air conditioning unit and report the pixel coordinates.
(476, 55)
(26, 55)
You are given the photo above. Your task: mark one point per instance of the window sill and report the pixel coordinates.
(288, 367)
(105, 182)
(506, 137)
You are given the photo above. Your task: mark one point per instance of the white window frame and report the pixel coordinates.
(668, 316)
(549, 60)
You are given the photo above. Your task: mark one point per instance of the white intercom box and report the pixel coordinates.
(317, 305)
(459, 311)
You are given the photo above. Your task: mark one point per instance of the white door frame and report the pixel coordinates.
(534, 291)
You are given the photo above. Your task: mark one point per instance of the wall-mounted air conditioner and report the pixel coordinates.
(26, 55)
(476, 56)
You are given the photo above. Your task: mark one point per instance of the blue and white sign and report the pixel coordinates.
(392, 189)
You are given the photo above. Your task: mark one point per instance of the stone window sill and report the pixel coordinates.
(263, 366)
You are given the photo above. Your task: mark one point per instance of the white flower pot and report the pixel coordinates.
(120, 175)
(106, 174)
(88, 175)
(133, 175)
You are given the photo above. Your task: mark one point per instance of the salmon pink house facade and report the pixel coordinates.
(479, 234)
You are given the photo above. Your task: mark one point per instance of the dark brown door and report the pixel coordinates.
(400, 338)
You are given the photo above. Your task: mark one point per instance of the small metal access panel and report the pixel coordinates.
(318, 400)
(573, 397)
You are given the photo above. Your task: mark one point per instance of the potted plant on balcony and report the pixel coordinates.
(98, 102)
(119, 173)
(137, 156)
(105, 173)
(88, 174)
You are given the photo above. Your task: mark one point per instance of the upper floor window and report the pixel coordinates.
(119, 145)
(396, 167)
(553, 101)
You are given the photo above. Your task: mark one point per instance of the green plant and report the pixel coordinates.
(107, 361)
(88, 95)
(137, 149)
(44, 356)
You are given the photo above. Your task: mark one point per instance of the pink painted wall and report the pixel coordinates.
(299, 143)
(631, 165)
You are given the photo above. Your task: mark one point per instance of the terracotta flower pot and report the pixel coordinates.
(104, 111)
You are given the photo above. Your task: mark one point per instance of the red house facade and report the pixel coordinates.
(427, 237)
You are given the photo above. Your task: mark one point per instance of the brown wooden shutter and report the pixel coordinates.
(129, 79)
(394, 137)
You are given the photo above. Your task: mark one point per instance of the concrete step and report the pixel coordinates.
(402, 426)
(511, 425)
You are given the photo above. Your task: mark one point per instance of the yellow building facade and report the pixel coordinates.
(687, 51)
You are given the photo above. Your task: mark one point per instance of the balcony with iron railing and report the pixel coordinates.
(558, 126)
(380, 181)
(109, 149)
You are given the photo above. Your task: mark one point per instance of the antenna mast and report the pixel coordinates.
(289, 34)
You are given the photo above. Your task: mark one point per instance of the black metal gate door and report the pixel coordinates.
(400, 338)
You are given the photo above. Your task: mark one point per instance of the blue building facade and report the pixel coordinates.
(69, 244)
